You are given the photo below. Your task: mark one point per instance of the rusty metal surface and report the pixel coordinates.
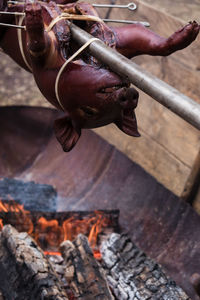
(97, 176)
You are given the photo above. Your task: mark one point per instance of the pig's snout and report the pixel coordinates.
(128, 98)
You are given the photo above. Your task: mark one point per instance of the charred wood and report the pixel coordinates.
(133, 276)
(85, 276)
(33, 196)
(25, 272)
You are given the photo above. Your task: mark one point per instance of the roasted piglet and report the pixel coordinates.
(89, 93)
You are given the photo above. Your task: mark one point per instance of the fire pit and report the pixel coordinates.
(96, 176)
(123, 272)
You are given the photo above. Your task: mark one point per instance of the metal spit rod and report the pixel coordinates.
(185, 107)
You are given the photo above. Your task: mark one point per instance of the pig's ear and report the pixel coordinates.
(128, 123)
(66, 133)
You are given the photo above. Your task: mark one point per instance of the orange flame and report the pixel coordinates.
(21, 217)
(49, 234)
(3, 207)
(1, 224)
(11, 206)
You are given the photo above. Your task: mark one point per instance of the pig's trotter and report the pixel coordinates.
(38, 43)
(180, 39)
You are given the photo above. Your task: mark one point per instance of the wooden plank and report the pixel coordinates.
(190, 193)
(184, 9)
(173, 133)
(168, 69)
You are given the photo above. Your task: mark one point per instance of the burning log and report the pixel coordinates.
(132, 275)
(33, 196)
(25, 272)
(85, 276)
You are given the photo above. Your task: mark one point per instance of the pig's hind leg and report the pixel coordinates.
(135, 39)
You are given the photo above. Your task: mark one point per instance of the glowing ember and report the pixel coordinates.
(97, 254)
(52, 253)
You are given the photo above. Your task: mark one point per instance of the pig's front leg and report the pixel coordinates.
(38, 40)
(135, 39)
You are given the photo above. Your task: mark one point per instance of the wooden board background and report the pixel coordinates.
(169, 146)
(183, 9)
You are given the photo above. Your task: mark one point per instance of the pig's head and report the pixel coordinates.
(94, 97)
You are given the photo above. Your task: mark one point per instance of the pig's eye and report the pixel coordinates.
(89, 111)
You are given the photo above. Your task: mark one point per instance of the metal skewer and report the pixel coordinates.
(12, 25)
(15, 2)
(130, 6)
(105, 20)
(12, 13)
(146, 24)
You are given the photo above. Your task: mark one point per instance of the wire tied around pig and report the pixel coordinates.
(78, 52)
(66, 16)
